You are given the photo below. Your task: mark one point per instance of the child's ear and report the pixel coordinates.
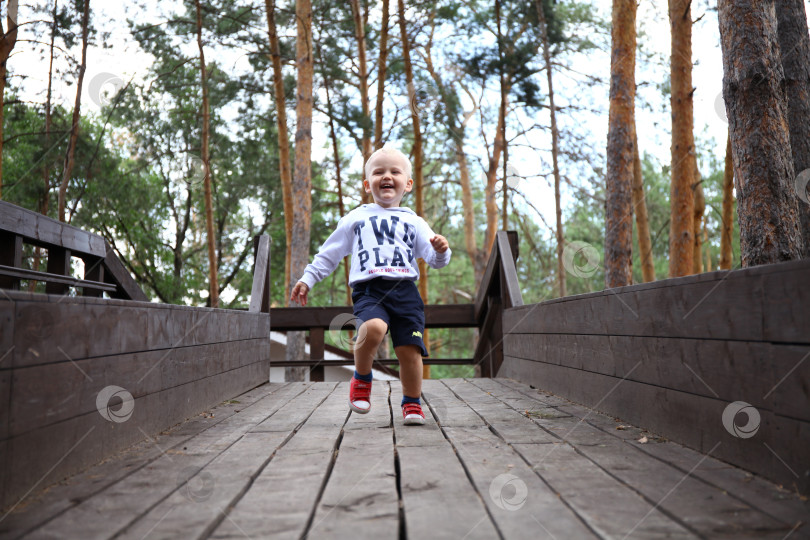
(409, 185)
(366, 186)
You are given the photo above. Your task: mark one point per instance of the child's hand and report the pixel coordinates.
(299, 293)
(439, 243)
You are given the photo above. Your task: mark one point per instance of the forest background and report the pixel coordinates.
(138, 170)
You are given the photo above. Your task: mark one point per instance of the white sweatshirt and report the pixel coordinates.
(383, 242)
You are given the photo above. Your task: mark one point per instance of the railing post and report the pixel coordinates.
(316, 354)
(58, 263)
(10, 255)
(93, 271)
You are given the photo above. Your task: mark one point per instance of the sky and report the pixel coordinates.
(112, 66)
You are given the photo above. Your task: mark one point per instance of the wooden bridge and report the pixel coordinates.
(677, 408)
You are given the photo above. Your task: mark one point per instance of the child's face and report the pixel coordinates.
(387, 181)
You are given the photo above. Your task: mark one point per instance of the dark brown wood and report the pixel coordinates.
(43, 231)
(316, 353)
(378, 363)
(128, 288)
(260, 292)
(10, 256)
(436, 316)
(22, 273)
(58, 264)
(508, 274)
(93, 271)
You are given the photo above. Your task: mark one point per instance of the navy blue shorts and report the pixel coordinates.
(395, 301)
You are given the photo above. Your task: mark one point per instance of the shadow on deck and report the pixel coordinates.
(496, 459)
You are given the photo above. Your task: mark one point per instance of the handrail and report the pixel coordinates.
(103, 270)
(260, 292)
(498, 290)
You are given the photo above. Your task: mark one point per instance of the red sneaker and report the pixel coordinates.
(412, 412)
(360, 396)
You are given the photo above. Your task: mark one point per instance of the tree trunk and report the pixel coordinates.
(492, 177)
(417, 160)
(794, 44)
(381, 69)
(302, 178)
(213, 287)
(618, 204)
(74, 129)
(681, 231)
(555, 145)
(757, 110)
(283, 140)
(728, 211)
(360, 36)
(7, 43)
(456, 130)
(642, 220)
(697, 227)
(46, 170)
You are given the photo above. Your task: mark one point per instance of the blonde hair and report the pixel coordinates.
(391, 152)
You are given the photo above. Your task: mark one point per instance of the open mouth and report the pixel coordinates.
(386, 186)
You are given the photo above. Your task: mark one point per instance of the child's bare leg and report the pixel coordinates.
(369, 336)
(410, 369)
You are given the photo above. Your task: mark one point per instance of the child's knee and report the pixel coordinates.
(372, 332)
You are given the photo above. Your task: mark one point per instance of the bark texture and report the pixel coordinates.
(360, 37)
(555, 145)
(642, 220)
(213, 286)
(7, 42)
(697, 227)
(681, 224)
(283, 141)
(418, 181)
(794, 45)
(728, 212)
(756, 106)
(302, 177)
(619, 181)
(74, 129)
(381, 69)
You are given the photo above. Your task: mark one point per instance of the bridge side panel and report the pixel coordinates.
(83, 378)
(675, 356)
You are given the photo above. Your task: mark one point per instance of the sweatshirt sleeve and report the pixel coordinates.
(337, 246)
(425, 250)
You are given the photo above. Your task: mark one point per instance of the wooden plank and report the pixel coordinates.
(44, 230)
(261, 274)
(450, 410)
(42, 506)
(379, 416)
(128, 288)
(43, 456)
(22, 273)
(436, 316)
(58, 264)
(361, 493)
(423, 436)
(316, 353)
(518, 501)
(778, 451)
(511, 287)
(46, 394)
(775, 377)
(487, 283)
(296, 411)
(10, 257)
(133, 496)
(507, 422)
(566, 469)
(281, 500)
(437, 497)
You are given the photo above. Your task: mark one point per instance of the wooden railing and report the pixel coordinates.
(103, 271)
(499, 289)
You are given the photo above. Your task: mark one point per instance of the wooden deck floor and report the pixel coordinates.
(503, 461)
